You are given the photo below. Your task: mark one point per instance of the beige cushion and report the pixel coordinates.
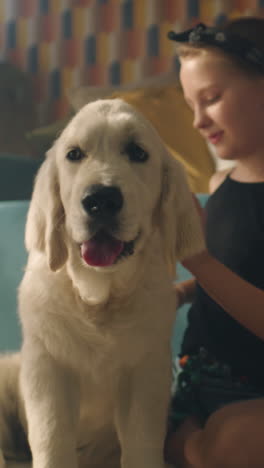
(82, 95)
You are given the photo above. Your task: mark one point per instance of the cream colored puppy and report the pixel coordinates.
(110, 215)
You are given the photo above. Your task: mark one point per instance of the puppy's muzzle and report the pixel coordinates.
(103, 204)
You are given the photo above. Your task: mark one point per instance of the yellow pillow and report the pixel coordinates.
(166, 109)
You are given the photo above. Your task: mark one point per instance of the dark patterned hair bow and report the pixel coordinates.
(241, 47)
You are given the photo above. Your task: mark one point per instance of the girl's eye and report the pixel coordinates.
(136, 153)
(75, 154)
(212, 99)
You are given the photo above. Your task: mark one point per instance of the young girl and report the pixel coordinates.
(217, 414)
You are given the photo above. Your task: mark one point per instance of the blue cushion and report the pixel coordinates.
(13, 259)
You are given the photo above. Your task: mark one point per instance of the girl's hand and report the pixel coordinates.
(185, 291)
(181, 293)
(193, 263)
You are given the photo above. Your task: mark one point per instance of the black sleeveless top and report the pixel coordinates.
(235, 236)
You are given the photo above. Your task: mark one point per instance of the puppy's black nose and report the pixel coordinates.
(103, 201)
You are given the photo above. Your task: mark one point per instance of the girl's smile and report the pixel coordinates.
(214, 138)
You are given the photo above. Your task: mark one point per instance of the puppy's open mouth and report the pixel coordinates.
(104, 250)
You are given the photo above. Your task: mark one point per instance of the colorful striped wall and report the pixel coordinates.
(66, 43)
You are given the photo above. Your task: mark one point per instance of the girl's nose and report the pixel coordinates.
(201, 119)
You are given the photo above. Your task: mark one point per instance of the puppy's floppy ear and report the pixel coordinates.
(45, 228)
(180, 223)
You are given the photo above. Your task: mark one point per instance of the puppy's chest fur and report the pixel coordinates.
(104, 343)
(116, 335)
(101, 337)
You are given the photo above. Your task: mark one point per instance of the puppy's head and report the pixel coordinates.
(105, 183)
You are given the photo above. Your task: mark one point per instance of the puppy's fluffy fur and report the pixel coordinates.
(92, 383)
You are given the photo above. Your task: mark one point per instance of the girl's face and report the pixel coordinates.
(228, 106)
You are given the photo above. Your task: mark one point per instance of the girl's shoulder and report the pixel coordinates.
(217, 179)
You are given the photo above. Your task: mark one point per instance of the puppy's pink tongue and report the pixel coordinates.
(102, 250)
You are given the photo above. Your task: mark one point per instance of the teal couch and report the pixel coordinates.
(13, 259)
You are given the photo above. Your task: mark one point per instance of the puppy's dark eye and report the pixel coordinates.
(136, 153)
(75, 154)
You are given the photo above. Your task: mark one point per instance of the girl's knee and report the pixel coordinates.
(225, 442)
(211, 450)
